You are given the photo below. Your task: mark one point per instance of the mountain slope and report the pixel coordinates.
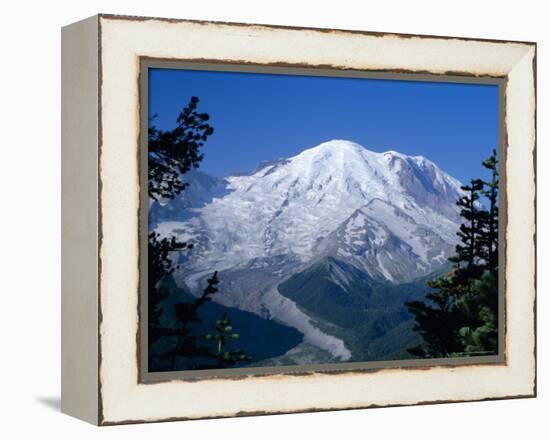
(369, 316)
(287, 207)
(260, 338)
(374, 219)
(387, 243)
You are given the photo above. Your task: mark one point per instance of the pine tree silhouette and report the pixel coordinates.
(222, 336)
(160, 267)
(173, 153)
(186, 314)
(460, 317)
(489, 235)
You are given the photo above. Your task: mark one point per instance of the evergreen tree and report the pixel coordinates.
(469, 251)
(160, 267)
(186, 315)
(480, 334)
(173, 153)
(489, 234)
(222, 336)
(461, 315)
(438, 320)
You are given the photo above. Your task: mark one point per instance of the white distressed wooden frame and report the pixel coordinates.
(100, 68)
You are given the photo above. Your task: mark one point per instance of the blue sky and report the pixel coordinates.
(258, 117)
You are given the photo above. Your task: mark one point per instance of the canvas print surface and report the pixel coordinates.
(310, 220)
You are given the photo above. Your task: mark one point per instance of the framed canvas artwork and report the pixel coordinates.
(297, 218)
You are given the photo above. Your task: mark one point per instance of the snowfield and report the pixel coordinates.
(390, 215)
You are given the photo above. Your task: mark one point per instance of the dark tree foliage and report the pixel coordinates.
(489, 235)
(460, 317)
(174, 152)
(184, 343)
(186, 314)
(481, 336)
(437, 320)
(222, 336)
(469, 252)
(160, 267)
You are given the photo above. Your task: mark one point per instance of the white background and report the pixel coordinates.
(30, 217)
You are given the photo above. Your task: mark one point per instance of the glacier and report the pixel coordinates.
(390, 215)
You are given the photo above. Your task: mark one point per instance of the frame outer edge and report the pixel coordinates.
(142, 18)
(109, 422)
(80, 225)
(535, 205)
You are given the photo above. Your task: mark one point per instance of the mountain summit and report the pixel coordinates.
(307, 205)
(388, 216)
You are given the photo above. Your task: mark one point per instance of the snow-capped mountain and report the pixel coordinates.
(337, 197)
(390, 216)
